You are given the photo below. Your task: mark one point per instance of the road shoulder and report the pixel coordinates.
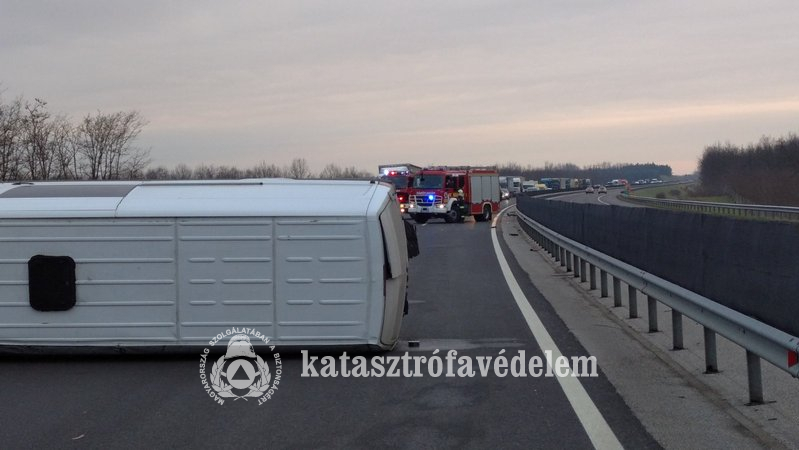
(677, 408)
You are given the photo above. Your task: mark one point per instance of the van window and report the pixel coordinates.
(51, 283)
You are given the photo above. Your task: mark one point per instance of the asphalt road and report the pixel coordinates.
(611, 198)
(459, 300)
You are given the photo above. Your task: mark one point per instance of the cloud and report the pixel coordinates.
(371, 80)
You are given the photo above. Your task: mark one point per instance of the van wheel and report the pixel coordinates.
(421, 219)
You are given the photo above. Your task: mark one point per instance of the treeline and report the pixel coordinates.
(36, 144)
(597, 173)
(297, 169)
(766, 172)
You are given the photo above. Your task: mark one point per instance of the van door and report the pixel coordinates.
(322, 279)
(225, 273)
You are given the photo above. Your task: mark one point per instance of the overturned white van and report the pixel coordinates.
(306, 263)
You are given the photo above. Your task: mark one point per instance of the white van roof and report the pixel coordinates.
(241, 198)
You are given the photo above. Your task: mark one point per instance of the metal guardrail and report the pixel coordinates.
(753, 211)
(758, 339)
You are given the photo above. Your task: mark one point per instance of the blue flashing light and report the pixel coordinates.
(431, 197)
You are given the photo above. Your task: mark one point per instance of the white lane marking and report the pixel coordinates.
(599, 199)
(591, 419)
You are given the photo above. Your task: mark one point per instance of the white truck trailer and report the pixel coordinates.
(306, 263)
(515, 185)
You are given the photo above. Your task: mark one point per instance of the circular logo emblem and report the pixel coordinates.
(240, 373)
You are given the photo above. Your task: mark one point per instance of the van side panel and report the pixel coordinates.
(322, 280)
(225, 273)
(125, 281)
(175, 263)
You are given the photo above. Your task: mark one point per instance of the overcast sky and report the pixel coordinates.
(444, 82)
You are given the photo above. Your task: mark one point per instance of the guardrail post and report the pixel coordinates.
(755, 379)
(583, 264)
(557, 252)
(711, 360)
(603, 283)
(632, 296)
(576, 264)
(592, 273)
(562, 256)
(652, 309)
(568, 261)
(676, 330)
(616, 292)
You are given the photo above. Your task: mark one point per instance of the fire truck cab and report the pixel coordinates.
(434, 194)
(401, 176)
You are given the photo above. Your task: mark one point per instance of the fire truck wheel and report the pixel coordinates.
(420, 218)
(452, 216)
(486, 215)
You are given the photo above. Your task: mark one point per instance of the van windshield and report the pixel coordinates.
(429, 181)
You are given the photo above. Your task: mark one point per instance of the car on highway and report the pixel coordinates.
(602, 190)
(505, 193)
(589, 190)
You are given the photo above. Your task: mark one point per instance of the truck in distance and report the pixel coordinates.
(401, 176)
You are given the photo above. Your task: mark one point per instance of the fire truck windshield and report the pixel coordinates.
(429, 181)
(400, 182)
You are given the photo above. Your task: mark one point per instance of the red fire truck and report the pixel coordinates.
(435, 194)
(401, 176)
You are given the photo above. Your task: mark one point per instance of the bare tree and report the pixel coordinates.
(10, 135)
(205, 172)
(354, 173)
(331, 172)
(37, 160)
(264, 170)
(229, 173)
(298, 169)
(181, 172)
(729, 170)
(134, 165)
(105, 141)
(157, 173)
(62, 150)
